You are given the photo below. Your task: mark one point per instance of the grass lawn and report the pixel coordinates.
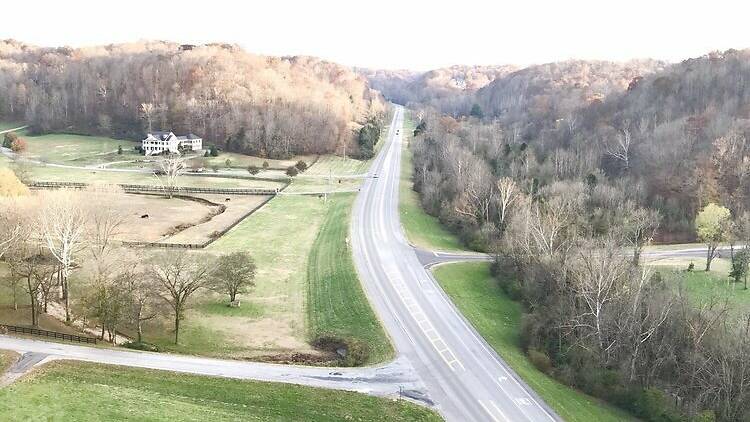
(60, 174)
(498, 319)
(77, 149)
(85, 391)
(337, 166)
(422, 229)
(322, 184)
(271, 318)
(336, 302)
(701, 285)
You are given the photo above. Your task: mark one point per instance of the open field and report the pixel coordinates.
(422, 229)
(61, 174)
(77, 150)
(84, 391)
(498, 320)
(322, 184)
(702, 286)
(271, 319)
(337, 166)
(236, 208)
(165, 216)
(336, 303)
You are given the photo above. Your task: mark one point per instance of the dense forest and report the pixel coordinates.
(450, 90)
(267, 106)
(569, 164)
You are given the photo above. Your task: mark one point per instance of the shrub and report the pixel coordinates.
(265, 165)
(148, 347)
(18, 145)
(511, 287)
(253, 169)
(292, 171)
(705, 416)
(540, 360)
(652, 404)
(691, 267)
(119, 150)
(8, 139)
(301, 166)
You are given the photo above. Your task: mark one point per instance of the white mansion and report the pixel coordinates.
(158, 142)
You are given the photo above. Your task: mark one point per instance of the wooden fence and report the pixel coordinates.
(46, 333)
(161, 189)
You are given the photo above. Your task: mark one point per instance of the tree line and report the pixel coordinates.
(557, 186)
(266, 106)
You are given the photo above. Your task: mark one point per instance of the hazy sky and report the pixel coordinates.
(399, 34)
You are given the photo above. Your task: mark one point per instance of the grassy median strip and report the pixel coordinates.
(498, 319)
(336, 302)
(85, 391)
(422, 229)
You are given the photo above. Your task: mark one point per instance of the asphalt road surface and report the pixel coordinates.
(463, 376)
(383, 380)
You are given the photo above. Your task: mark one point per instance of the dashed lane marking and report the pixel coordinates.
(417, 313)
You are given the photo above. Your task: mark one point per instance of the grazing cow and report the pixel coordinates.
(144, 216)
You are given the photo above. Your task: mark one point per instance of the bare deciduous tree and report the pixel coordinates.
(178, 276)
(639, 227)
(620, 148)
(508, 193)
(170, 168)
(148, 111)
(62, 227)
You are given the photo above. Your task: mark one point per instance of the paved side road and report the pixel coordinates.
(387, 380)
(25, 364)
(431, 258)
(13, 130)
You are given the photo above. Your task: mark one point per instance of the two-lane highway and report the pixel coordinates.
(465, 378)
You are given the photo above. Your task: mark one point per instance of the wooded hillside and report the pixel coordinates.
(268, 106)
(450, 90)
(573, 163)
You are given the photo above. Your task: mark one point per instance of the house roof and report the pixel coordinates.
(162, 135)
(165, 136)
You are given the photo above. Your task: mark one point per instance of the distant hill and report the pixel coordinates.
(541, 94)
(449, 89)
(270, 106)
